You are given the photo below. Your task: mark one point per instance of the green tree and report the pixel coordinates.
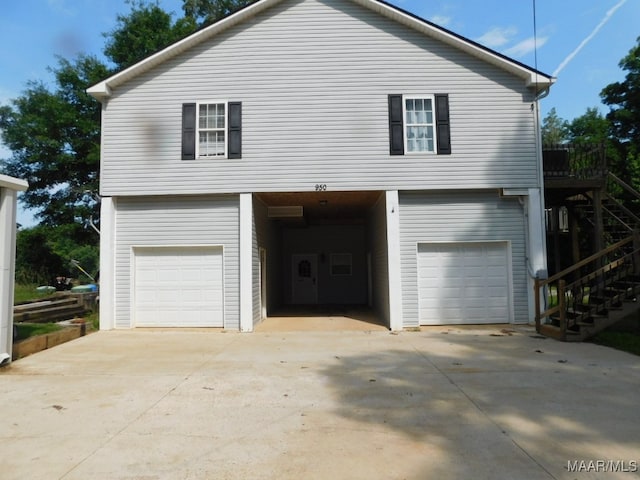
(623, 99)
(590, 128)
(36, 261)
(205, 12)
(54, 137)
(144, 31)
(555, 130)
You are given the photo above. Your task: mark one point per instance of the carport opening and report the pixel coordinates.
(318, 254)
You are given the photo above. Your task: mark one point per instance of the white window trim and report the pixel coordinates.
(334, 255)
(405, 125)
(226, 129)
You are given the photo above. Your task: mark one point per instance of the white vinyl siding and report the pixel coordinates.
(198, 221)
(460, 217)
(314, 78)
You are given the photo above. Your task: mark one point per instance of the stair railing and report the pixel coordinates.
(579, 161)
(624, 185)
(574, 287)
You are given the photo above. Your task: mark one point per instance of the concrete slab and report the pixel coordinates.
(447, 403)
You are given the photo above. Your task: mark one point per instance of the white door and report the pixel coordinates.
(178, 287)
(304, 278)
(464, 283)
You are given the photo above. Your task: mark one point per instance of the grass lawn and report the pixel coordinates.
(24, 293)
(625, 341)
(26, 330)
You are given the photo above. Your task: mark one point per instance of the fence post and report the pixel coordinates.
(562, 305)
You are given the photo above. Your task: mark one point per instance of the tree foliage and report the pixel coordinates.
(624, 100)
(55, 140)
(554, 129)
(205, 12)
(590, 128)
(144, 31)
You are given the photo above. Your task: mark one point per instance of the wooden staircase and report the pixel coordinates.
(591, 295)
(576, 303)
(618, 221)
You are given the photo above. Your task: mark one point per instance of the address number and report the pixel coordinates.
(321, 187)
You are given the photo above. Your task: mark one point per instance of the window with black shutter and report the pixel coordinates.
(419, 124)
(211, 130)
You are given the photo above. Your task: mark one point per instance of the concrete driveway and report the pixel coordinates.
(443, 403)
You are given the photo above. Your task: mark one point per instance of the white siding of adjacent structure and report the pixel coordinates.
(460, 217)
(314, 77)
(163, 221)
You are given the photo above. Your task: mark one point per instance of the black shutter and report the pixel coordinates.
(188, 131)
(443, 129)
(396, 125)
(235, 130)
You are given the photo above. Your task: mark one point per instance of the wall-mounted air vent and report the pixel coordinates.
(293, 211)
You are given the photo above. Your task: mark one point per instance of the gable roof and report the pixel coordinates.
(533, 78)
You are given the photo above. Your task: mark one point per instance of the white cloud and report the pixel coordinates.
(441, 20)
(593, 33)
(525, 46)
(497, 36)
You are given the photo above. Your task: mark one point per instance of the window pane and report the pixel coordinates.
(202, 123)
(219, 116)
(419, 104)
(211, 144)
(409, 105)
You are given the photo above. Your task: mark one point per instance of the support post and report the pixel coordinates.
(107, 262)
(536, 290)
(598, 239)
(393, 257)
(562, 305)
(246, 259)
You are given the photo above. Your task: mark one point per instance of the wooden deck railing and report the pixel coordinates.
(587, 288)
(574, 161)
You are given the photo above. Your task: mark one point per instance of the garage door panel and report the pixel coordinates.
(463, 283)
(178, 287)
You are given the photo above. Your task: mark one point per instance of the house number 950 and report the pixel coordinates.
(321, 187)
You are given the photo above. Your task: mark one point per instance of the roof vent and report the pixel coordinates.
(293, 211)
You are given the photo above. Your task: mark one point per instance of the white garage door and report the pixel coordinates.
(464, 283)
(178, 287)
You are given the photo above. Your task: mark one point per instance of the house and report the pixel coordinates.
(9, 188)
(321, 152)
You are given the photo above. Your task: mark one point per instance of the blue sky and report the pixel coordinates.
(579, 41)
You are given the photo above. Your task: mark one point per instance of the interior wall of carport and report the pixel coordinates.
(265, 235)
(379, 259)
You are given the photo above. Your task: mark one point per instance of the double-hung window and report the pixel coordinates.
(419, 124)
(211, 129)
